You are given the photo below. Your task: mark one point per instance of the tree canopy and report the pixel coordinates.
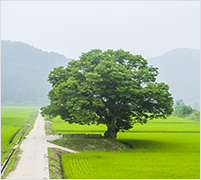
(110, 87)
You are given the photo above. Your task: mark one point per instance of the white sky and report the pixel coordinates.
(149, 28)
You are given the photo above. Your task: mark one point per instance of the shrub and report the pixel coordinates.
(183, 111)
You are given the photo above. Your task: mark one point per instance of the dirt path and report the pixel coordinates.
(33, 163)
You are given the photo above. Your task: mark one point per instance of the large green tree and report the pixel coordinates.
(114, 88)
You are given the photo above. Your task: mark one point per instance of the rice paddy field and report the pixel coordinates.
(170, 125)
(162, 149)
(12, 120)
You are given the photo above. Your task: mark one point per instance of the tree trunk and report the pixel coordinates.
(111, 133)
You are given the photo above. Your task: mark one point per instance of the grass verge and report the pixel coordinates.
(54, 161)
(91, 144)
(5, 151)
(48, 129)
(12, 163)
(31, 121)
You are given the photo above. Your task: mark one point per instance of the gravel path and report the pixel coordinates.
(33, 163)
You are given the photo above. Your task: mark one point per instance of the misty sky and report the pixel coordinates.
(149, 28)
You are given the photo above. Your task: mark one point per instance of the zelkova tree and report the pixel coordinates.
(114, 88)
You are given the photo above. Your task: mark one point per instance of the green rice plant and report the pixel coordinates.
(7, 133)
(6, 148)
(162, 149)
(60, 126)
(171, 119)
(171, 124)
(129, 165)
(15, 116)
(154, 156)
(169, 142)
(12, 120)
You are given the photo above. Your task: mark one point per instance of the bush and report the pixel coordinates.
(183, 111)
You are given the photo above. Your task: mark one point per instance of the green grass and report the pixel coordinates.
(48, 129)
(162, 149)
(90, 144)
(54, 161)
(12, 163)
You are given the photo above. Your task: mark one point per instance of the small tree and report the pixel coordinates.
(114, 88)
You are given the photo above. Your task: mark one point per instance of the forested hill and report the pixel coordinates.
(180, 68)
(25, 69)
(24, 73)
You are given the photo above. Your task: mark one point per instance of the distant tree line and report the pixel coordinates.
(183, 111)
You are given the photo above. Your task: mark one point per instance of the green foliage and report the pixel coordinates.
(183, 111)
(195, 116)
(108, 88)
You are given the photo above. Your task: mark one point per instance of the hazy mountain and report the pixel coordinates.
(25, 69)
(180, 68)
(24, 73)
